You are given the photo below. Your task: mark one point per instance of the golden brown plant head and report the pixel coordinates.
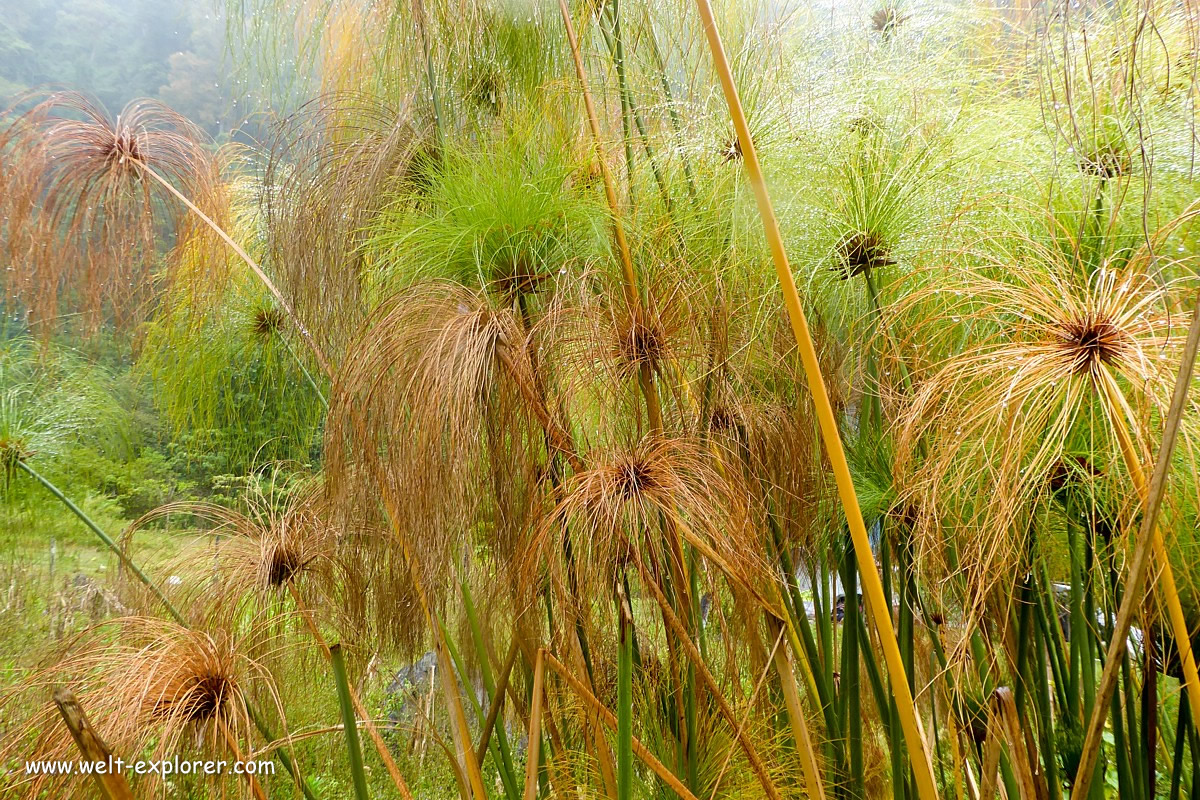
(641, 342)
(12, 452)
(97, 190)
(152, 689)
(887, 18)
(1107, 159)
(598, 346)
(1053, 360)
(282, 562)
(432, 417)
(96, 156)
(1092, 342)
(636, 504)
(731, 150)
(267, 322)
(281, 541)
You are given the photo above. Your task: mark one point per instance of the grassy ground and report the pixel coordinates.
(56, 579)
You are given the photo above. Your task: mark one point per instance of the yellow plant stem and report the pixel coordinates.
(791, 696)
(877, 604)
(535, 727)
(381, 747)
(1150, 538)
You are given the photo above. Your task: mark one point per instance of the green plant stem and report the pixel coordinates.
(851, 701)
(349, 722)
(1045, 718)
(108, 541)
(825, 691)
(1181, 736)
(307, 375)
(624, 701)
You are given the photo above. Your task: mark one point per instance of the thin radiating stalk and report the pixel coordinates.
(349, 722)
(385, 755)
(876, 603)
(464, 677)
(504, 765)
(680, 632)
(606, 716)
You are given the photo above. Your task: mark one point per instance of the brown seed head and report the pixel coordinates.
(858, 252)
(1091, 341)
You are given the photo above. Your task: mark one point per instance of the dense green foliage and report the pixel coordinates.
(483, 354)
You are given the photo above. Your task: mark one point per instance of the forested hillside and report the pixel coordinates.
(119, 50)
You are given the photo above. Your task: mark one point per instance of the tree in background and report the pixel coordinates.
(118, 50)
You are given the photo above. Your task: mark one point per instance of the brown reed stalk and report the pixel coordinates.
(111, 785)
(533, 752)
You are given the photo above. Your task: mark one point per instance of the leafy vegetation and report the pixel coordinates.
(452, 439)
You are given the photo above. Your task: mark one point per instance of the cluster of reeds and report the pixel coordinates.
(925, 528)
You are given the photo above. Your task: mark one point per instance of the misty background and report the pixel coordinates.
(119, 50)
